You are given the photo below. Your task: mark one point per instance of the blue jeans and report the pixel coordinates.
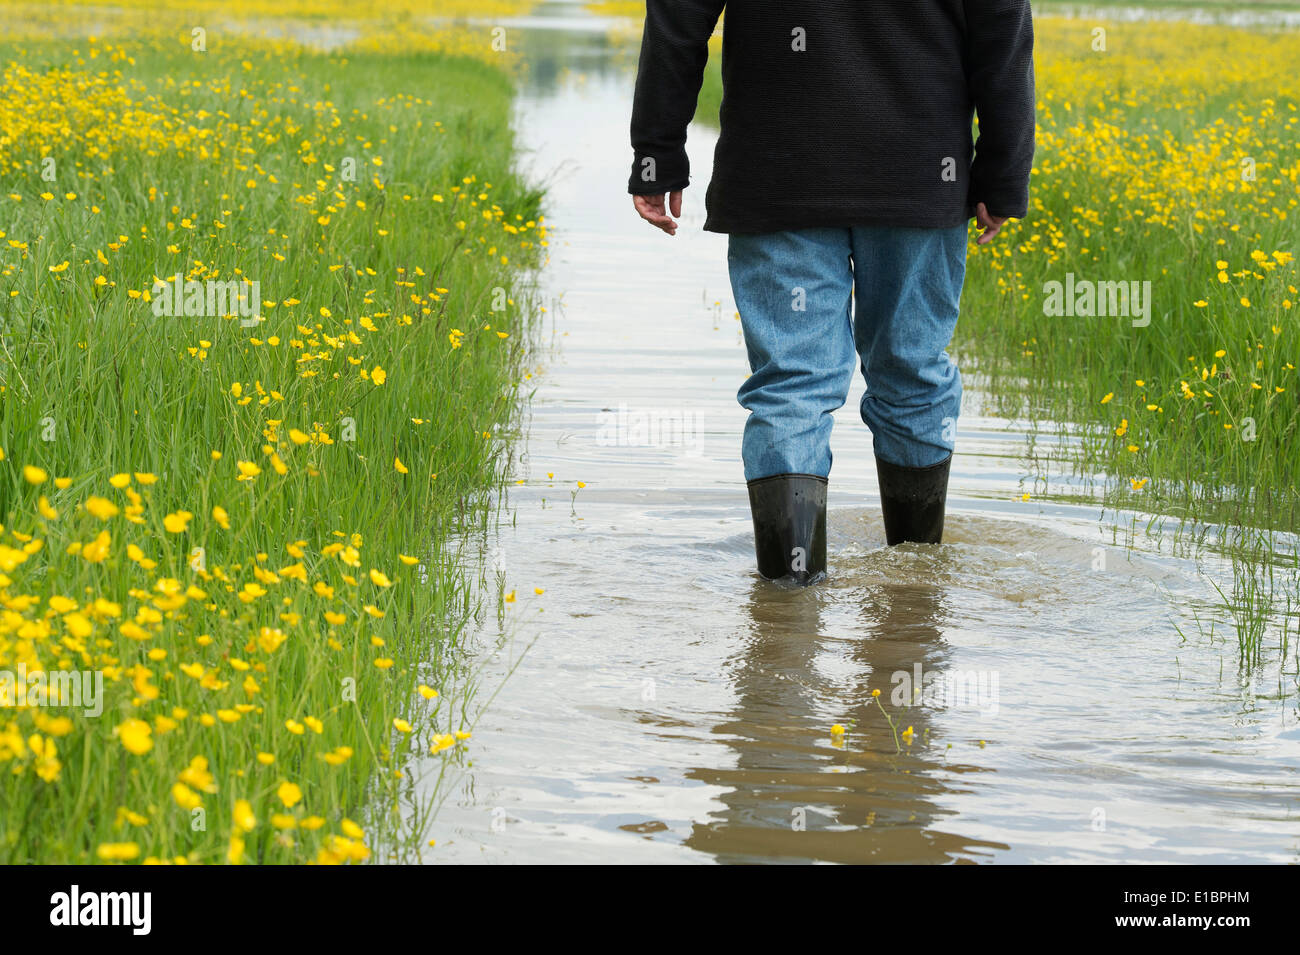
(796, 294)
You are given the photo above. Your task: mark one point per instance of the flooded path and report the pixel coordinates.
(672, 707)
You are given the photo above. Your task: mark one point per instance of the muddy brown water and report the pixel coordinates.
(660, 703)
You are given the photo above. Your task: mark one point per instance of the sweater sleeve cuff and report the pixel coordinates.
(657, 173)
(1002, 203)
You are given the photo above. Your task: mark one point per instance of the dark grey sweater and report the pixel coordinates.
(842, 112)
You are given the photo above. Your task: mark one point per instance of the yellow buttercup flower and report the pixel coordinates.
(289, 794)
(177, 522)
(185, 797)
(101, 507)
(136, 736)
(117, 851)
(351, 829)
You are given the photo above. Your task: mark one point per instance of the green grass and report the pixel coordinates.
(236, 158)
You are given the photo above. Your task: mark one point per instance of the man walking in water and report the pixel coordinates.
(845, 175)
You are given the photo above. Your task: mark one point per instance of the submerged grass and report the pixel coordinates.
(245, 527)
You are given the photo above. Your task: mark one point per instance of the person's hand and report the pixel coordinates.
(990, 224)
(651, 209)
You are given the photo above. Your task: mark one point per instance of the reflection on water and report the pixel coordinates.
(794, 794)
(672, 707)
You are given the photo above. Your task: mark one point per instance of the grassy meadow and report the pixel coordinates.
(246, 524)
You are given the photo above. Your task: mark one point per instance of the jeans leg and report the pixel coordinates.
(793, 292)
(908, 288)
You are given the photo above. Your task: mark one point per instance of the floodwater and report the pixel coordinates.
(661, 703)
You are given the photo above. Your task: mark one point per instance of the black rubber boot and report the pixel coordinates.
(912, 500)
(790, 526)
